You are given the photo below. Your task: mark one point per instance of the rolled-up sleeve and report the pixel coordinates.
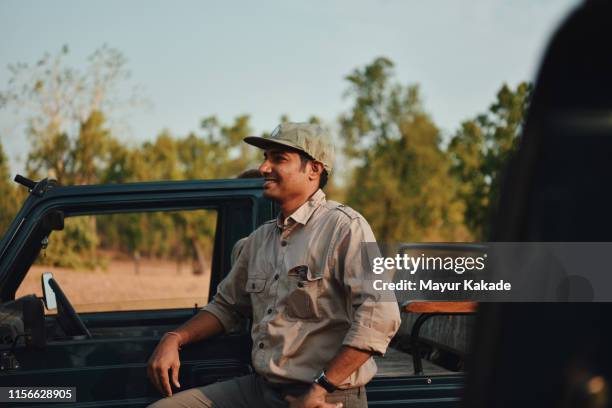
(375, 316)
(231, 303)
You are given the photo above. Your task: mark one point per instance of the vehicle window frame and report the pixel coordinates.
(125, 203)
(135, 301)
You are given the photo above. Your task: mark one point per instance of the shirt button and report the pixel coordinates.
(276, 277)
(261, 345)
(283, 243)
(269, 310)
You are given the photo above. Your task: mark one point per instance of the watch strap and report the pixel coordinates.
(325, 383)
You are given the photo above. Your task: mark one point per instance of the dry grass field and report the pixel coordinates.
(158, 285)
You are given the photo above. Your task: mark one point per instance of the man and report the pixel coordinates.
(302, 278)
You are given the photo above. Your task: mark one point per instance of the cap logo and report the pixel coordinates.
(275, 132)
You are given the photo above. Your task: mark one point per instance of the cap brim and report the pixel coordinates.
(264, 143)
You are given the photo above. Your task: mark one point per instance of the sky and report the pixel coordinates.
(192, 59)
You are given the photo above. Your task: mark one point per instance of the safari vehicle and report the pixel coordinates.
(104, 354)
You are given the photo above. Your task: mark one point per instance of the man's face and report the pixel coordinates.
(285, 178)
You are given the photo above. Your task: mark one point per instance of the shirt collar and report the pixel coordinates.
(305, 211)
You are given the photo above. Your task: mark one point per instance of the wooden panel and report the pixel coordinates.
(439, 307)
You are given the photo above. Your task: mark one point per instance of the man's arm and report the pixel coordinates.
(229, 305)
(166, 357)
(346, 362)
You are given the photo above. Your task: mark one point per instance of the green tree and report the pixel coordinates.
(75, 246)
(121, 164)
(68, 134)
(401, 180)
(480, 150)
(8, 192)
(227, 154)
(161, 158)
(90, 154)
(64, 106)
(216, 153)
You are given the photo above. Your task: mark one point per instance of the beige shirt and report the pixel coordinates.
(307, 286)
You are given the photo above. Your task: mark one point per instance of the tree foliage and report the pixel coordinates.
(401, 183)
(216, 153)
(8, 192)
(407, 183)
(64, 111)
(72, 143)
(481, 148)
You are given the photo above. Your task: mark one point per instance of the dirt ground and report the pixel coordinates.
(158, 285)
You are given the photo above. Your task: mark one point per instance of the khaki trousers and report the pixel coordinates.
(252, 391)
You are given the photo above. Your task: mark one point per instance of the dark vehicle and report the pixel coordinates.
(104, 354)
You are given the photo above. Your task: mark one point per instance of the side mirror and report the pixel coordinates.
(48, 293)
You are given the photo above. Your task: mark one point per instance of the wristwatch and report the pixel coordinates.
(322, 380)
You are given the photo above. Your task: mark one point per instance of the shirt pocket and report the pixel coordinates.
(259, 269)
(304, 286)
(255, 285)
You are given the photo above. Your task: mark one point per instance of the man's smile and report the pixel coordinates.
(269, 181)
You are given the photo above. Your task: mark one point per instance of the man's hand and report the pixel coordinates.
(164, 358)
(314, 398)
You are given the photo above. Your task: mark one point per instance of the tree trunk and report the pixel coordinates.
(199, 258)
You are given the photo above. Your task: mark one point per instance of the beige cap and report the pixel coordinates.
(311, 139)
